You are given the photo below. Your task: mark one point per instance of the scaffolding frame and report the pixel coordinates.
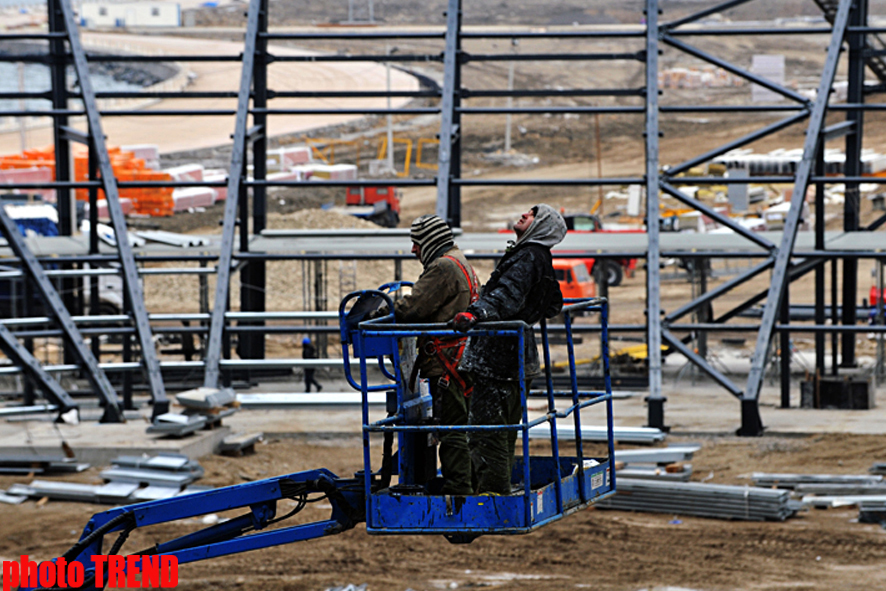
(848, 26)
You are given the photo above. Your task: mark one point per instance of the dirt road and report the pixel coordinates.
(178, 133)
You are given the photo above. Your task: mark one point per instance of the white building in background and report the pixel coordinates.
(108, 13)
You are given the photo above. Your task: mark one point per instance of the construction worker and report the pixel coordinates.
(445, 287)
(309, 352)
(522, 287)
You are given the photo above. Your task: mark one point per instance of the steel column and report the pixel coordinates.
(235, 179)
(656, 399)
(751, 423)
(253, 274)
(851, 205)
(449, 151)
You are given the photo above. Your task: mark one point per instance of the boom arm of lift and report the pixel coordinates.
(243, 533)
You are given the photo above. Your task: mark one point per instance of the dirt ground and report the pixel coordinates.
(816, 550)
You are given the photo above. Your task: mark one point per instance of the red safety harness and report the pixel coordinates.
(437, 346)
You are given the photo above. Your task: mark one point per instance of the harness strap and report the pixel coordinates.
(471, 278)
(450, 364)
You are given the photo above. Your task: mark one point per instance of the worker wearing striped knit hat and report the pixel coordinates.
(446, 286)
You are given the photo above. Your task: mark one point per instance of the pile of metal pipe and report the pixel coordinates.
(594, 433)
(791, 481)
(702, 500)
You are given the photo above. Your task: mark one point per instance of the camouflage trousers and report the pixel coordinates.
(451, 408)
(493, 402)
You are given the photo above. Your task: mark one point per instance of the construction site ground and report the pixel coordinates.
(594, 549)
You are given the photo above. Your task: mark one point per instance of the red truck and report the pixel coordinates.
(380, 205)
(614, 270)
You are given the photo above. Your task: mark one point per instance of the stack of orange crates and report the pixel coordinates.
(29, 159)
(154, 201)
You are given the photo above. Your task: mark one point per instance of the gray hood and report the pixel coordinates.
(548, 228)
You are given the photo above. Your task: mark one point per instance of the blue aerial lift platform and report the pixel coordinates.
(545, 488)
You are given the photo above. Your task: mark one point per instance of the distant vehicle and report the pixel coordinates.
(612, 270)
(380, 205)
(574, 279)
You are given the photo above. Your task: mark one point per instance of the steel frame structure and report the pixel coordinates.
(848, 27)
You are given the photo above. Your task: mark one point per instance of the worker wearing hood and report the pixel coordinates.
(522, 287)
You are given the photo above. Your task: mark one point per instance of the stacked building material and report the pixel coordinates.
(828, 501)
(131, 479)
(34, 174)
(284, 158)
(791, 481)
(239, 444)
(204, 407)
(663, 463)
(327, 172)
(702, 500)
(127, 167)
(39, 464)
(878, 468)
(150, 153)
(870, 511)
(595, 433)
(186, 198)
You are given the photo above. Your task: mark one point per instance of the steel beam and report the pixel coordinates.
(449, 151)
(701, 363)
(742, 141)
(722, 219)
(653, 260)
(851, 205)
(764, 82)
(131, 283)
(751, 423)
(235, 178)
(20, 355)
(719, 290)
(253, 274)
(54, 303)
(703, 13)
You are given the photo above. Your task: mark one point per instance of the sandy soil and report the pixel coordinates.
(610, 550)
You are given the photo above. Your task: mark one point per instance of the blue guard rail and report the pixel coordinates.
(547, 487)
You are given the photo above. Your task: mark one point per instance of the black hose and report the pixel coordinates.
(77, 548)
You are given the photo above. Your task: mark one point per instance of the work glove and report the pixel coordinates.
(378, 312)
(464, 321)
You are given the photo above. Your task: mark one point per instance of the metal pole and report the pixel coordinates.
(785, 348)
(22, 128)
(653, 273)
(510, 101)
(751, 423)
(852, 167)
(599, 155)
(389, 152)
(820, 268)
(216, 340)
(835, 337)
(449, 156)
(880, 280)
(253, 275)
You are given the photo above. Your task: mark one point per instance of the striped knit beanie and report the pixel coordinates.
(432, 235)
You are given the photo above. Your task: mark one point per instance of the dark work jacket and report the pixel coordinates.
(522, 287)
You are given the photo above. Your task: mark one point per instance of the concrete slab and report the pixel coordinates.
(99, 443)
